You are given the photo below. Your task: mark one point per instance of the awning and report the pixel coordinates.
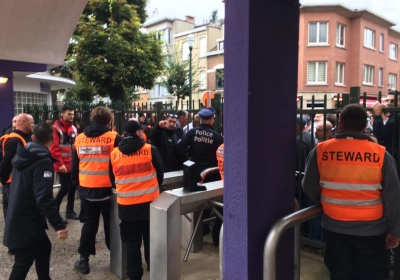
(369, 102)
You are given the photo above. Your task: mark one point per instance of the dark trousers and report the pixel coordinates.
(90, 217)
(6, 193)
(217, 227)
(132, 233)
(350, 257)
(39, 252)
(66, 188)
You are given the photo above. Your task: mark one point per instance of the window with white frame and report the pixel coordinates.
(393, 81)
(221, 45)
(318, 33)
(203, 47)
(339, 73)
(340, 35)
(185, 51)
(158, 90)
(202, 79)
(368, 75)
(382, 43)
(393, 51)
(164, 35)
(316, 72)
(380, 77)
(369, 38)
(27, 98)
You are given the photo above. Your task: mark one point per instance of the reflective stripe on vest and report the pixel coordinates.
(135, 176)
(65, 150)
(350, 179)
(94, 158)
(5, 138)
(220, 159)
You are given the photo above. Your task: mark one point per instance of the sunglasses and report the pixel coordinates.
(172, 116)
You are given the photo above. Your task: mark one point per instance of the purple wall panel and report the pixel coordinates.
(261, 54)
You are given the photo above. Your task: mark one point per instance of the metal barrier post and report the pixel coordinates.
(276, 232)
(221, 253)
(165, 227)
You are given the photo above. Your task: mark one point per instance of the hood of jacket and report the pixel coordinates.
(95, 129)
(29, 155)
(130, 144)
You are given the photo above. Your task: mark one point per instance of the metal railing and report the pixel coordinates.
(275, 234)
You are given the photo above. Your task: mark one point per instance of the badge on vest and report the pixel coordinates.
(48, 174)
(96, 150)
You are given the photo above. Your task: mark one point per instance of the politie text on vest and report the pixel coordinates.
(204, 136)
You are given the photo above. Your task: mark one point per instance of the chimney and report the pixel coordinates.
(189, 19)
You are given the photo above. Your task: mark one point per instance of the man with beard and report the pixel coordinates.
(61, 151)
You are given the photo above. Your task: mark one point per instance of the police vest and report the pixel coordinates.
(65, 149)
(94, 159)
(220, 159)
(3, 144)
(350, 179)
(135, 176)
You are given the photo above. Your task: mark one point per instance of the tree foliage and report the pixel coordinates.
(108, 54)
(176, 76)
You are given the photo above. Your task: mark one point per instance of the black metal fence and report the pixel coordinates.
(123, 111)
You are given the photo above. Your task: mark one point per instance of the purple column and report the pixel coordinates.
(7, 91)
(261, 58)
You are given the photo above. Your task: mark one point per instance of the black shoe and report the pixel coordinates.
(65, 221)
(72, 215)
(82, 265)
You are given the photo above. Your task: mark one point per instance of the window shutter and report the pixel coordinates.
(311, 72)
(321, 71)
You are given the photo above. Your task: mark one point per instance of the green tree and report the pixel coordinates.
(176, 77)
(109, 54)
(215, 20)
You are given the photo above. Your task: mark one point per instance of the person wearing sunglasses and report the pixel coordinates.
(165, 136)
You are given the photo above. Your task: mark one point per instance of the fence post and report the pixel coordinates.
(36, 113)
(85, 114)
(56, 113)
(119, 116)
(45, 114)
(158, 112)
(355, 95)
(217, 105)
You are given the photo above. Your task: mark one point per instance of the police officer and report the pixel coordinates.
(201, 144)
(90, 172)
(356, 182)
(138, 171)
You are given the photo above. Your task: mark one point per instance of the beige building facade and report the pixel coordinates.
(340, 47)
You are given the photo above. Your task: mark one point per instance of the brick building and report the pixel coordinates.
(340, 47)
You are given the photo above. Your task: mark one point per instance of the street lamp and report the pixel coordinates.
(190, 41)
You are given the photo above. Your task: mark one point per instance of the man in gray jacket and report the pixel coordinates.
(355, 181)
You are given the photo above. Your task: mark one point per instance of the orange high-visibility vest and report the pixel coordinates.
(220, 159)
(5, 138)
(350, 179)
(135, 176)
(94, 159)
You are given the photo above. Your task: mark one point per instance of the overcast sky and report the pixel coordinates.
(201, 9)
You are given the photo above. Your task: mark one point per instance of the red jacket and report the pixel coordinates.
(64, 134)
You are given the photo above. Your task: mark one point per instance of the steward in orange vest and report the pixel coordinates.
(90, 172)
(9, 143)
(356, 182)
(138, 171)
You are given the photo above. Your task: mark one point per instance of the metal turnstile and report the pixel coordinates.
(166, 227)
(172, 180)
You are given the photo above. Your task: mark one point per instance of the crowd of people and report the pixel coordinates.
(93, 162)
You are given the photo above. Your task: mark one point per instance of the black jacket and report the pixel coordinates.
(384, 133)
(201, 144)
(165, 141)
(31, 197)
(141, 211)
(95, 129)
(10, 149)
(303, 148)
